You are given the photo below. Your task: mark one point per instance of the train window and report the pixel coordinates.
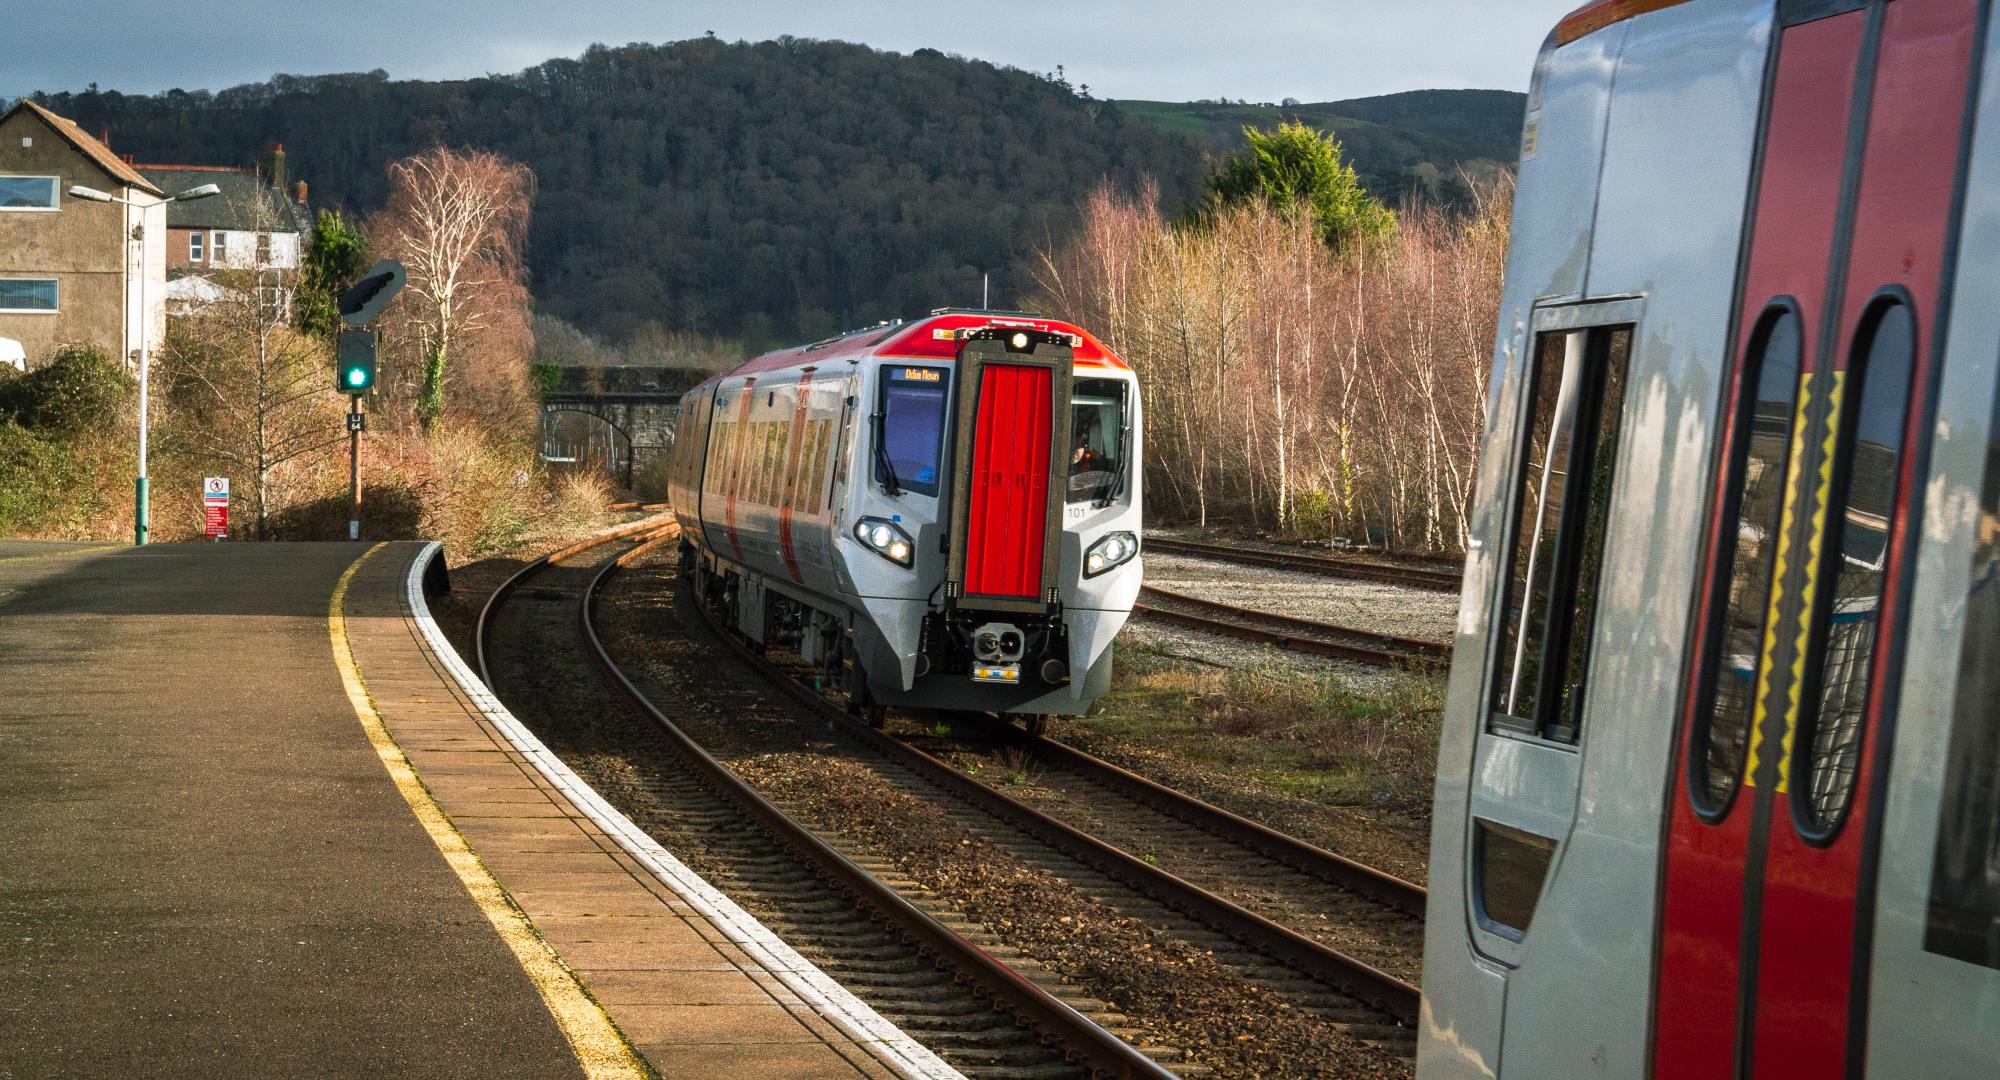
(774, 462)
(1563, 503)
(1097, 440)
(822, 436)
(1964, 917)
(1511, 865)
(1827, 751)
(1755, 499)
(909, 428)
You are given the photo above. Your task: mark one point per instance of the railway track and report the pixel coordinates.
(1288, 632)
(1325, 565)
(536, 633)
(1339, 937)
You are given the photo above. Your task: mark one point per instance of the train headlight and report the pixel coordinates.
(1112, 550)
(885, 539)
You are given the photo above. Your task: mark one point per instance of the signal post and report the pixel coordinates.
(355, 369)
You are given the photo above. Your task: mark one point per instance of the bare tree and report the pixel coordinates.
(255, 396)
(1339, 393)
(457, 220)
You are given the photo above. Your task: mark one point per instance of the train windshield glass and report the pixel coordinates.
(1097, 440)
(911, 430)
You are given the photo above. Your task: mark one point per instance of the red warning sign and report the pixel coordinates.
(215, 506)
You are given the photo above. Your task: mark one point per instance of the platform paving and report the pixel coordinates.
(206, 872)
(692, 1003)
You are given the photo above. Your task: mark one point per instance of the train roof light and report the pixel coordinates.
(1599, 14)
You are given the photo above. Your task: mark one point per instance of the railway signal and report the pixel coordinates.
(366, 298)
(354, 370)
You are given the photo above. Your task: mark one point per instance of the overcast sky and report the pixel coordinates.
(1262, 50)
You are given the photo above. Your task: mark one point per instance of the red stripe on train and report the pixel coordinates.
(796, 482)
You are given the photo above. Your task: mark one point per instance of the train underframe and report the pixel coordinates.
(967, 660)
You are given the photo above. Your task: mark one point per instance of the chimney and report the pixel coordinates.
(274, 165)
(105, 138)
(299, 192)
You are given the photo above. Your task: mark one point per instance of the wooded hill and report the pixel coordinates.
(1423, 143)
(776, 191)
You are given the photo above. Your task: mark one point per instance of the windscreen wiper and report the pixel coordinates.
(1117, 486)
(883, 463)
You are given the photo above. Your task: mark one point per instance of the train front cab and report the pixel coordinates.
(1719, 782)
(1035, 526)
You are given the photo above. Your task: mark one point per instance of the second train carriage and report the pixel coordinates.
(942, 513)
(1718, 791)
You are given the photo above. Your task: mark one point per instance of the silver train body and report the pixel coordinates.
(1718, 792)
(941, 513)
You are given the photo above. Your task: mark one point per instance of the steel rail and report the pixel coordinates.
(1084, 1041)
(1351, 976)
(1295, 634)
(1325, 565)
(1339, 870)
(481, 633)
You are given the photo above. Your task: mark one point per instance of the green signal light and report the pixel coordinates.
(357, 377)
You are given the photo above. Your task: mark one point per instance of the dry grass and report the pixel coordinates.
(1308, 730)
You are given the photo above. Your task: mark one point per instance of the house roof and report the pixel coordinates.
(91, 148)
(247, 202)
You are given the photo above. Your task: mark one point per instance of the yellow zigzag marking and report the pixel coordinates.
(1780, 563)
(1815, 544)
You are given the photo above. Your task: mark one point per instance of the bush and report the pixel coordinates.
(79, 390)
(35, 475)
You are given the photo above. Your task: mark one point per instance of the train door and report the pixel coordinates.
(1936, 955)
(1773, 831)
(1013, 435)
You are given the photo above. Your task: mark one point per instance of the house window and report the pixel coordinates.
(27, 294)
(220, 246)
(263, 249)
(194, 246)
(28, 193)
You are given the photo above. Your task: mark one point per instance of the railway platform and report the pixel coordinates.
(260, 823)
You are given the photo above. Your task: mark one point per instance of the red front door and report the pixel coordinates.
(1769, 861)
(1008, 514)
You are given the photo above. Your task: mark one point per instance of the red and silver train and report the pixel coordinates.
(941, 513)
(1718, 794)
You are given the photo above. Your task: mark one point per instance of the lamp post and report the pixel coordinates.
(141, 510)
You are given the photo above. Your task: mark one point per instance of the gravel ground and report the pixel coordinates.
(1396, 843)
(1363, 605)
(1177, 993)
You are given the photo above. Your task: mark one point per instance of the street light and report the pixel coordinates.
(141, 511)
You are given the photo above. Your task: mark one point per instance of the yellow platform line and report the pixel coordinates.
(599, 1048)
(59, 554)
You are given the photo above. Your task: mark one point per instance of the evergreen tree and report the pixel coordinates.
(1299, 168)
(336, 254)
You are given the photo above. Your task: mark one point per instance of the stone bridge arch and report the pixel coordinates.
(639, 404)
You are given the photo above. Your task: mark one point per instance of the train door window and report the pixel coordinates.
(910, 428)
(1964, 917)
(773, 449)
(1747, 553)
(1562, 503)
(717, 467)
(822, 431)
(1097, 438)
(1860, 514)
